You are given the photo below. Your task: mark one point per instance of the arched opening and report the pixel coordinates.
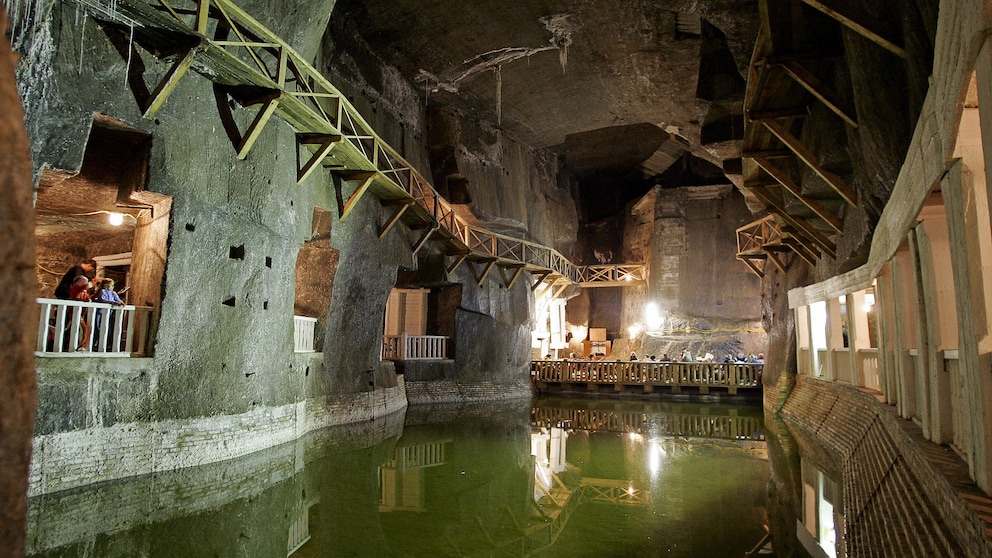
(315, 267)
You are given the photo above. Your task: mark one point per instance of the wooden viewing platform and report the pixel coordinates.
(601, 376)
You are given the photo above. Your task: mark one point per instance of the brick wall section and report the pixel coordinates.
(895, 502)
(77, 458)
(451, 391)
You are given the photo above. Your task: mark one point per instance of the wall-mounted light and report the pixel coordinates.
(652, 317)
(579, 333)
(634, 330)
(115, 218)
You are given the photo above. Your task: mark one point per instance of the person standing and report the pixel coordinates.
(63, 290)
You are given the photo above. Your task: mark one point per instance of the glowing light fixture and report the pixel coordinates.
(579, 333)
(116, 219)
(634, 330)
(652, 316)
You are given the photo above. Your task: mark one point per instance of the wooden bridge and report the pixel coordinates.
(258, 69)
(646, 377)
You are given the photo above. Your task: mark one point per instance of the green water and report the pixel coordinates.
(552, 478)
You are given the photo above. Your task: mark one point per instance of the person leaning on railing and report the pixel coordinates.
(80, 291)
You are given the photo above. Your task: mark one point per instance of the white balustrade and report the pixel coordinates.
(74, 328)
(304, 331)
(414, 347)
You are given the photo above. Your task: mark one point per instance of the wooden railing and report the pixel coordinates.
(414, 347)
(735, 427)
(114, 331)
(613, 275)
(304, 332)
(732, 375)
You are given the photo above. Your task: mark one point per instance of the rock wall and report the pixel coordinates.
(708, 301)
(17, 398)
(223, 349)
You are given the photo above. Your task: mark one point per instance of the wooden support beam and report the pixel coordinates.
(257, 125)
(854, 19)
(423, 240)
(808, 231)
(541, 276)
(804, 154)
(775, 258)
(202, 16)
(365, 178)
(767, 153)
(481, 278)
(753, 266)
(324, 143)
(801, 250)
(458, 261)
(787, 183)
(165, 87)
(508, 283)
(818, 89)
(564, 285)
(787, 112)
(401, 208)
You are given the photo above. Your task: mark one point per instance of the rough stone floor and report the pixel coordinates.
(949, 464)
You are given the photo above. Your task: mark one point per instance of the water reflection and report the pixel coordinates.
(557, 478)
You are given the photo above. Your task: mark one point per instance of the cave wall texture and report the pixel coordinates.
(224, 338)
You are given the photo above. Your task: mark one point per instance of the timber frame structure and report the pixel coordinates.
(256, 68)
(780, 74)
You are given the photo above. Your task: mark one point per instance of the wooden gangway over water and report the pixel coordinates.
(646, 377)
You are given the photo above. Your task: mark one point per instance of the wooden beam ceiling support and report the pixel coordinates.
(779, 175)
(807, 231)
(165, 87)
(561, 289)
(423, 240)
(753, 266)
(401, 208)
(767, 153)
(257, 125)
(801, 250)
(458, 261)
(508, 282)
(324, 143)
(818, 89)
(774, 257)
(804, 154)
(788, 112)
(541, 276)
(859, 22)
(365, 179)
(481, 278)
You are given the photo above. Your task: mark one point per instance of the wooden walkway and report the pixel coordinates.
(646, 377)
(258, 69)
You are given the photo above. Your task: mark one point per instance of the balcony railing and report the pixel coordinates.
(113, 331)
(304, 330)
(414, 347)
(731, 374)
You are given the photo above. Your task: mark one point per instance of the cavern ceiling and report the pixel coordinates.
(662, 78)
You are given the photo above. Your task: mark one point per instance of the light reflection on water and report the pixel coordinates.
(559, 478)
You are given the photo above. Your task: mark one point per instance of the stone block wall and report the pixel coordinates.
(895, 502)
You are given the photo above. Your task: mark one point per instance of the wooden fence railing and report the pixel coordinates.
(730, 375)
(304, 333)
(74, 328)
(414, 347)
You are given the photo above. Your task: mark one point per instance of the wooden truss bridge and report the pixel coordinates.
(258, 69)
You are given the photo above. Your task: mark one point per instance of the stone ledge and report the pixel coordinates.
(874, 450)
